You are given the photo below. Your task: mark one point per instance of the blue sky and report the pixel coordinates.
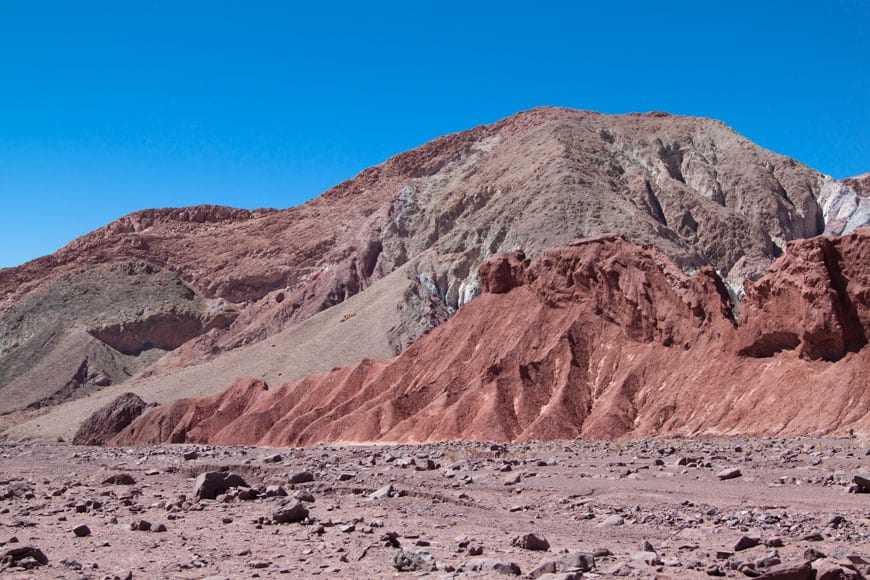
(110, 107)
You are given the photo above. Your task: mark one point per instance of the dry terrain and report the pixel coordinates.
(667, 508)
(338, 336)
(558, 291)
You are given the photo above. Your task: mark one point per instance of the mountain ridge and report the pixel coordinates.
(427, 218)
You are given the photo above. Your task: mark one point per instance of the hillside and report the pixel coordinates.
(600, 339)
(425, 219)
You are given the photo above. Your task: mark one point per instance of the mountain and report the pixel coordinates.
(600, 339)
(404, 238)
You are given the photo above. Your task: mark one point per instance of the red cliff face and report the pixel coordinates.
(599, 339)
(815, 302)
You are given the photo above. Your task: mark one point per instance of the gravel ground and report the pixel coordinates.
(651, 509)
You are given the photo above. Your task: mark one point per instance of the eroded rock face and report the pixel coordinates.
(503, 273)
(815, 302)
(166, 331)
(702, 193)
(860, 184)
(96, 327)
(110, 420)
(600, 339)
(845, 204)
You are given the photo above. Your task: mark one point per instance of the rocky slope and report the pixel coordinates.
(600, 339)
(339, 336)
(95, 327)
(699, 191)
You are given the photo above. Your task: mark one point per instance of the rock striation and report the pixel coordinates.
(599, 339)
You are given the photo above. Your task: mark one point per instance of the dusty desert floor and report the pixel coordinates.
(649, 509)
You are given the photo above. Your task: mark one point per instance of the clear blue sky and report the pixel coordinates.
(110, 107)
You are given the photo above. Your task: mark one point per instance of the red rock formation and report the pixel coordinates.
(598, 339)
(503, 273)
(815, 302)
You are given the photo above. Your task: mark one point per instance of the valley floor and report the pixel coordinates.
(649, 508)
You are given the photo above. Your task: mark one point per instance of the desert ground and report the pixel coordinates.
(657, 508)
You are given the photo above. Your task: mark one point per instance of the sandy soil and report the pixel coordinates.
(447, 499)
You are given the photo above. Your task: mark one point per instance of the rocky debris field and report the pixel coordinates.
(665, 508)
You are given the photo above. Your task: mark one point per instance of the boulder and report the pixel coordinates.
(790, 571)
(531, 541)
(81, 531)
(862, 480)
(119, 479)
(211, 484)
(491, 566)
(577, 562)
(830, 570)
(414, 561)
(301, 477)
(582, 561)
(15, 556)
(730, 473)
(746, 542)
(289, 511)
(386, 491)
(614, 520)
